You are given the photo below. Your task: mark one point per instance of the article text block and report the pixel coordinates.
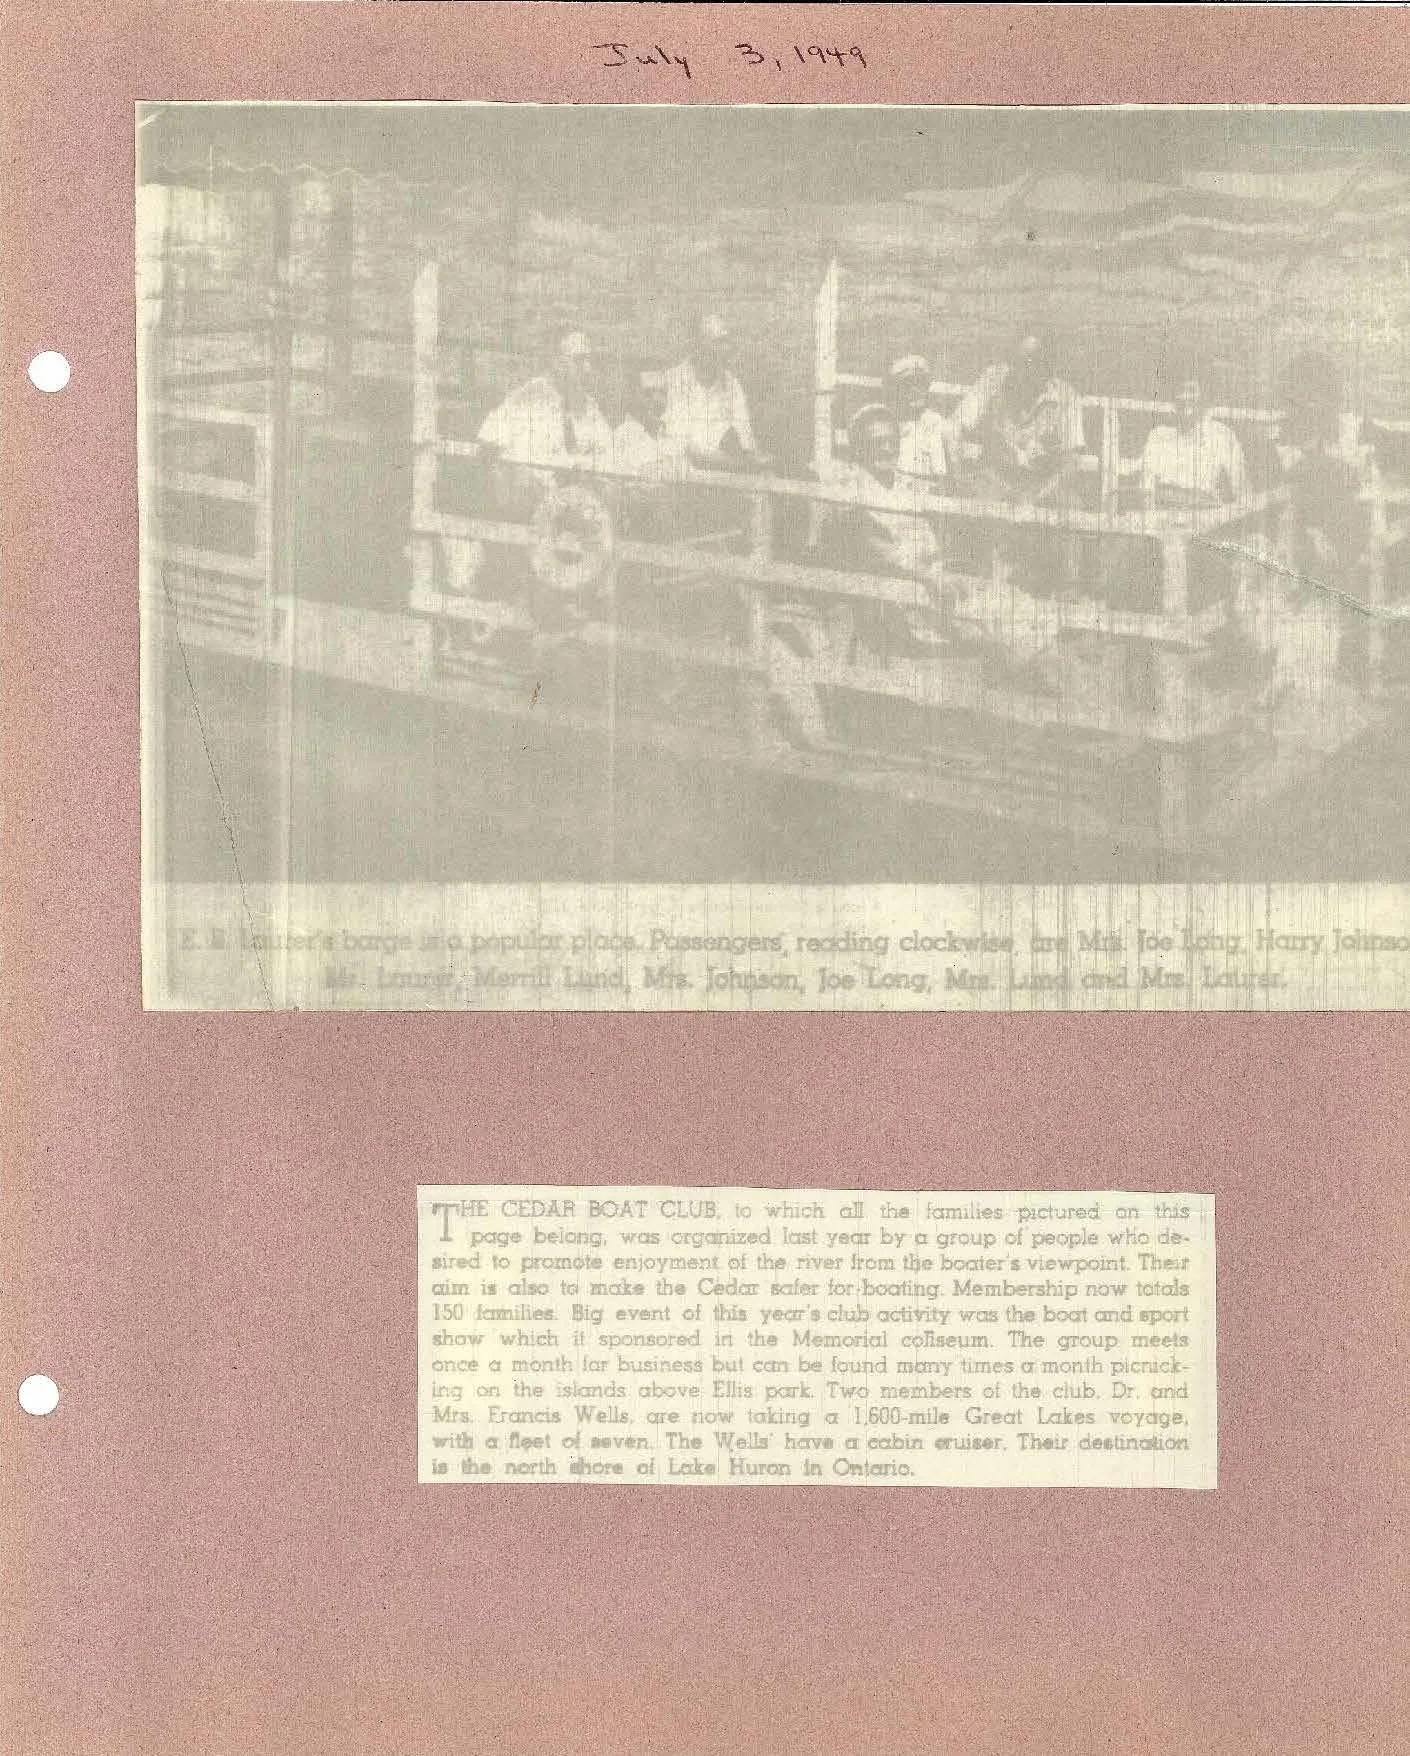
(743, 1337)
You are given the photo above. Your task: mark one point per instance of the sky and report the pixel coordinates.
(589, 157)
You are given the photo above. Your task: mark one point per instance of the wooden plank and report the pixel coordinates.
(1086, 616)
(210, 414)
(207, 487)
(1148, 525)
(942, 387)
(217, 588)
(213, 561)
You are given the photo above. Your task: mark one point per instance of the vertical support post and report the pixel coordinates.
(281, 390)
(825, 309)
(283, 648)
(1175, 573)
(825, 317)
(757, 690)
(610, 590)
(266, 496)
(425, 423)
(999, 570)
(338, 343)
(1173, 757)
(761, 527)
(1376, 587)
(1111, 457)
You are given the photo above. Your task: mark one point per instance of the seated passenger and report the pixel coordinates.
(886, 531)
(1196, 463)
(1023, 423)
(924, 433)
(1330, 475)
(638, 444)
(552, 421)
(706, 415)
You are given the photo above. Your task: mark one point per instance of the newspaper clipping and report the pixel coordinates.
(778, 557)
(740, 1337)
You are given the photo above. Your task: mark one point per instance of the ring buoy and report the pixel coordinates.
(572, 539)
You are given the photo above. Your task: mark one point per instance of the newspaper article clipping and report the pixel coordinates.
(774, 556)
(740, 1337)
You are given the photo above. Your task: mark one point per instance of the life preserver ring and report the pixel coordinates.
(572, 539)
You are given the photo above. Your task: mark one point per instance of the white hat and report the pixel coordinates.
(910, 366)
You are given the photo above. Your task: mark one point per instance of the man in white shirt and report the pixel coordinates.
(923, 432)
(1197, 463)
(552, 421)
(639, 443)
(887, 529)
(879, 527)
(706, 415)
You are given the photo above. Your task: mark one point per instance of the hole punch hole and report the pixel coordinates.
(49, 372)
(39, 1395)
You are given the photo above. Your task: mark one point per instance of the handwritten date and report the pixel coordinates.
(813, 53)
(653, 55)
(624, 55)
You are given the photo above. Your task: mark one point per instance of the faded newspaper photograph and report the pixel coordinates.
(545, 496)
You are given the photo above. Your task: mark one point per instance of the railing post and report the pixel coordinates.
(757, 689)
(1175, 573)
(761, 527)
(425, 335)
(1111, 456)
(1376, 588)
(825, 309)
(825, 365)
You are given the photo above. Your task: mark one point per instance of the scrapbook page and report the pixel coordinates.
(846, 556)
(703, 879)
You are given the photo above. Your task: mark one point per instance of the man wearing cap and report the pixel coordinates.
(886, 530)
(553, 419)
(922, 432)
(873, 530)
(706, 414)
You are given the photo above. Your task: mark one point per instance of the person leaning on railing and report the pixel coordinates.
(706, 413)
(553, 419)
(1195, 464)
(881, 529)
(548, 424)
(1021, 424)
(924, 436)
(1020, 436)
(1330, 476)
(1190, 471)
(1295, 613)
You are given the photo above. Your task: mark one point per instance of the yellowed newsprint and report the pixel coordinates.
(829, 1338)
(946, 559)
